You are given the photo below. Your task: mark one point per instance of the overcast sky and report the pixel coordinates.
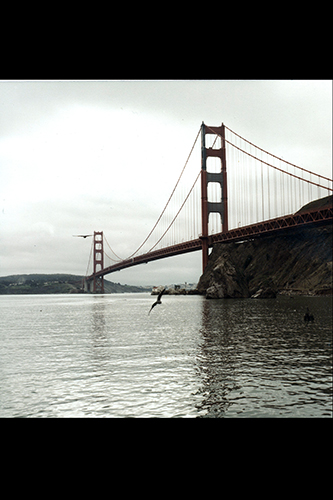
(79, 156)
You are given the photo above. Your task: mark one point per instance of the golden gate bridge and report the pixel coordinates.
(240, 192)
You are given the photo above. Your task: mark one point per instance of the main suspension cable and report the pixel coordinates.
(114, 253)
(281, 159)
(167, 203)
(175, 217)
(91, 249)
(280, 169)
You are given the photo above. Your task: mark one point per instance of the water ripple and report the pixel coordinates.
(103, 356)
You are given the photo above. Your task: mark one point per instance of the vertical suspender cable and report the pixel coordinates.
(262, 194)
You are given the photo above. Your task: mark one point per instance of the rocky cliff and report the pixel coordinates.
(299, 262)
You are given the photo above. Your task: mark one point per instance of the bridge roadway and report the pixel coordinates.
(265, 228)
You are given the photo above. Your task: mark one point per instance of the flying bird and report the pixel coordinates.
(158, 301)
(82, 235)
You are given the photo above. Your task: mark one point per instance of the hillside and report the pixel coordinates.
(316, 204)
(297, 262)
(55, 283)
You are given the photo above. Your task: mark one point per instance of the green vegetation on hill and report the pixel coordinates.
(56, 283)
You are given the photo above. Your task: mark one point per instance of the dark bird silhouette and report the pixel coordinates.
(158, 301)
(81, 235)
(308, 316)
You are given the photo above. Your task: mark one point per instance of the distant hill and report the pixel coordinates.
(56, 283)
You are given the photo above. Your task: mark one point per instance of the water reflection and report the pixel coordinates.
(98, 329)
(259, 358)
(98, 317)
(217, 359)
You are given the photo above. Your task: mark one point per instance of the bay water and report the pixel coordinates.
(104, 356)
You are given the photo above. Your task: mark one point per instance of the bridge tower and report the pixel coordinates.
(98, 286)
(208, 207)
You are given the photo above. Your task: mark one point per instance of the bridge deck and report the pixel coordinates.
(317, 217)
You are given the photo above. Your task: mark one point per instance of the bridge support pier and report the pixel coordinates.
(208, 207)
(88, 286)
